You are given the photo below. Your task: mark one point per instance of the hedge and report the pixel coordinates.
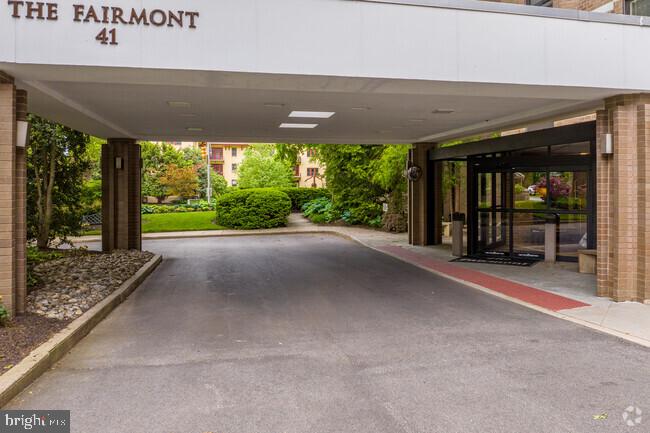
(201, 206)
(300, 196)
(255, 208)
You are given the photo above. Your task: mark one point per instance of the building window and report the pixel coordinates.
(546, 3)
(311, 153)
(296, 170)
(217, 153)
(312, 171)
(234, 152)
(218, 168)
(638, 7)
(234, 168)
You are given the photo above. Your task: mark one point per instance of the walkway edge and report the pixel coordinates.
(581, 322)
(46, 355)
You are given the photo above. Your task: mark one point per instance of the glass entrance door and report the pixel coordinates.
(512, 207)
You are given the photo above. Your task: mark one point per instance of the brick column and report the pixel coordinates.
(643, 137)
(623, 181)
(7, 191)
(20, 194)
(425, 198)
(121, 184)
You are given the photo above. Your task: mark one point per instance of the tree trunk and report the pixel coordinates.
(45, 218)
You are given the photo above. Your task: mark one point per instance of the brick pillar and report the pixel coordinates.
(604, 208)
(121, 198)
(20, 194)
(623, 181)
(425, 198)
(7, 191)
(643, 137)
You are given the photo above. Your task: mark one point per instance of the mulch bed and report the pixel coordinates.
(60, 290)
(24, 334)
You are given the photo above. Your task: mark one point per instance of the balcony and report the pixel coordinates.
(216, 155)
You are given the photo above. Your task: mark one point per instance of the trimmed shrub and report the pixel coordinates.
(199, 206)
(300, 196)
(256, 208)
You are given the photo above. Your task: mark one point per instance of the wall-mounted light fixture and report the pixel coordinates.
(22, 133)
(118, 162)
(607, 144)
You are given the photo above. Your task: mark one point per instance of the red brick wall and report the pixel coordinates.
(585, 5)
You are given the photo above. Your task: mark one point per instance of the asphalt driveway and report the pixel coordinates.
(312, 333)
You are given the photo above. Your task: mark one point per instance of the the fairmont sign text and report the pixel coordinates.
(108, 16)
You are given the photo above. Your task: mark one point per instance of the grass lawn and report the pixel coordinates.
(179, 222)
(175, 222)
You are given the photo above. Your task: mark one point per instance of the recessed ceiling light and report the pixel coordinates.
(273, 105)
(312, 114)
(443, 111)
(360, 108)
(299, 125)
(179, 104)
(416, 120)
(194, 129)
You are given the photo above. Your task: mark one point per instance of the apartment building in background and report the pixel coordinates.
(226, 158)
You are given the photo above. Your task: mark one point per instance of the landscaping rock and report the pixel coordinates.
(74, 284)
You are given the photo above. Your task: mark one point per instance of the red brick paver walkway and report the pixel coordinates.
(522, 292)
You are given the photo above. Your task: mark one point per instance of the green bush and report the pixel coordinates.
(200, 206)
(4, 314)
(368, 214)
(256, 208)
(300, 196)
(320, 211)
(35, 257)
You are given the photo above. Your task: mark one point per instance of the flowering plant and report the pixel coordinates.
(559, 188)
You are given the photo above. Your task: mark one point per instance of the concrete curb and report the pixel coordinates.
(220, 234)
(46, 355)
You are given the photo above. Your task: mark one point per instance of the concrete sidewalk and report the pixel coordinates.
(619, 318)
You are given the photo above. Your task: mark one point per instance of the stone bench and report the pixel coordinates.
(587, 261)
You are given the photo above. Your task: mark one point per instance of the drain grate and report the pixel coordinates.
(496, 260)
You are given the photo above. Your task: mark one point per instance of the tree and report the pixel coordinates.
(261, 169)
(388, 173)
(349, 177)
(389, 169)
(56, 165)
(219, 184)
(180, 181)
(360, 178)
(156, 158)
